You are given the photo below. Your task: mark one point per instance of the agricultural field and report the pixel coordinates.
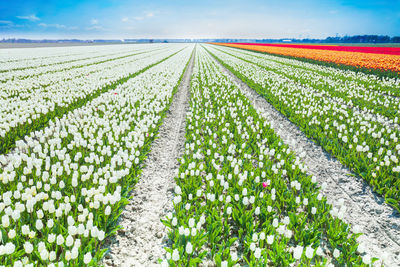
(372, 59)
(199, 155)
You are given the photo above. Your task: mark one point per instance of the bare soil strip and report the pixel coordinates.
(380, 224)
(143, 237)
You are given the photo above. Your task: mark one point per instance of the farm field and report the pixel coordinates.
(197, 155)
(374, 60)
(357, 122)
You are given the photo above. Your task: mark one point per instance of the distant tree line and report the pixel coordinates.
(364, 39)
(342, 39)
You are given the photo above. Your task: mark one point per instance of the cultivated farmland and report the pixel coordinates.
(198, 155)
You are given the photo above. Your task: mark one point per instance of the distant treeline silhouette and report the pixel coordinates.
(343, 39)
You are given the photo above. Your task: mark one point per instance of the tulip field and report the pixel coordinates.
(63, 185)
(370, 59)
(241, 195)
(77, 125)
(354, 117)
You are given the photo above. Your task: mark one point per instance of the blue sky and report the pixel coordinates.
(88, 19)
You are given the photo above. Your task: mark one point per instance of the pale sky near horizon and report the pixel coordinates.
(90, 19)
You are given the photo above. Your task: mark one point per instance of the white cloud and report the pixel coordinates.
(146, 15)
(95, 27)
(30, 17)
(125, 19)
(150, 14)
(94, 22)
(57, 26)
(5, 22)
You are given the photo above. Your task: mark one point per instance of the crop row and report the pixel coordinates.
(31, 111)
(37, 64)
(386, 50)
(361, 142)
(35, 73)
(242, 198)
(67, 62)
(352, 93)
(25, 87)
(17, 58)
(342, 78)
(44, 53)
(64, 187)
(40, 54)
(368, 61)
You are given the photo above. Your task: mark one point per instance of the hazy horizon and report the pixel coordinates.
(161, 19)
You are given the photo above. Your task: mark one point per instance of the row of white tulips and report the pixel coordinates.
(353, 91)
(362, 142)
(22, 58)
(29, 105)
(65, 65)
(349, 78)
(242, 198)
(63, 186)
(17, 86)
